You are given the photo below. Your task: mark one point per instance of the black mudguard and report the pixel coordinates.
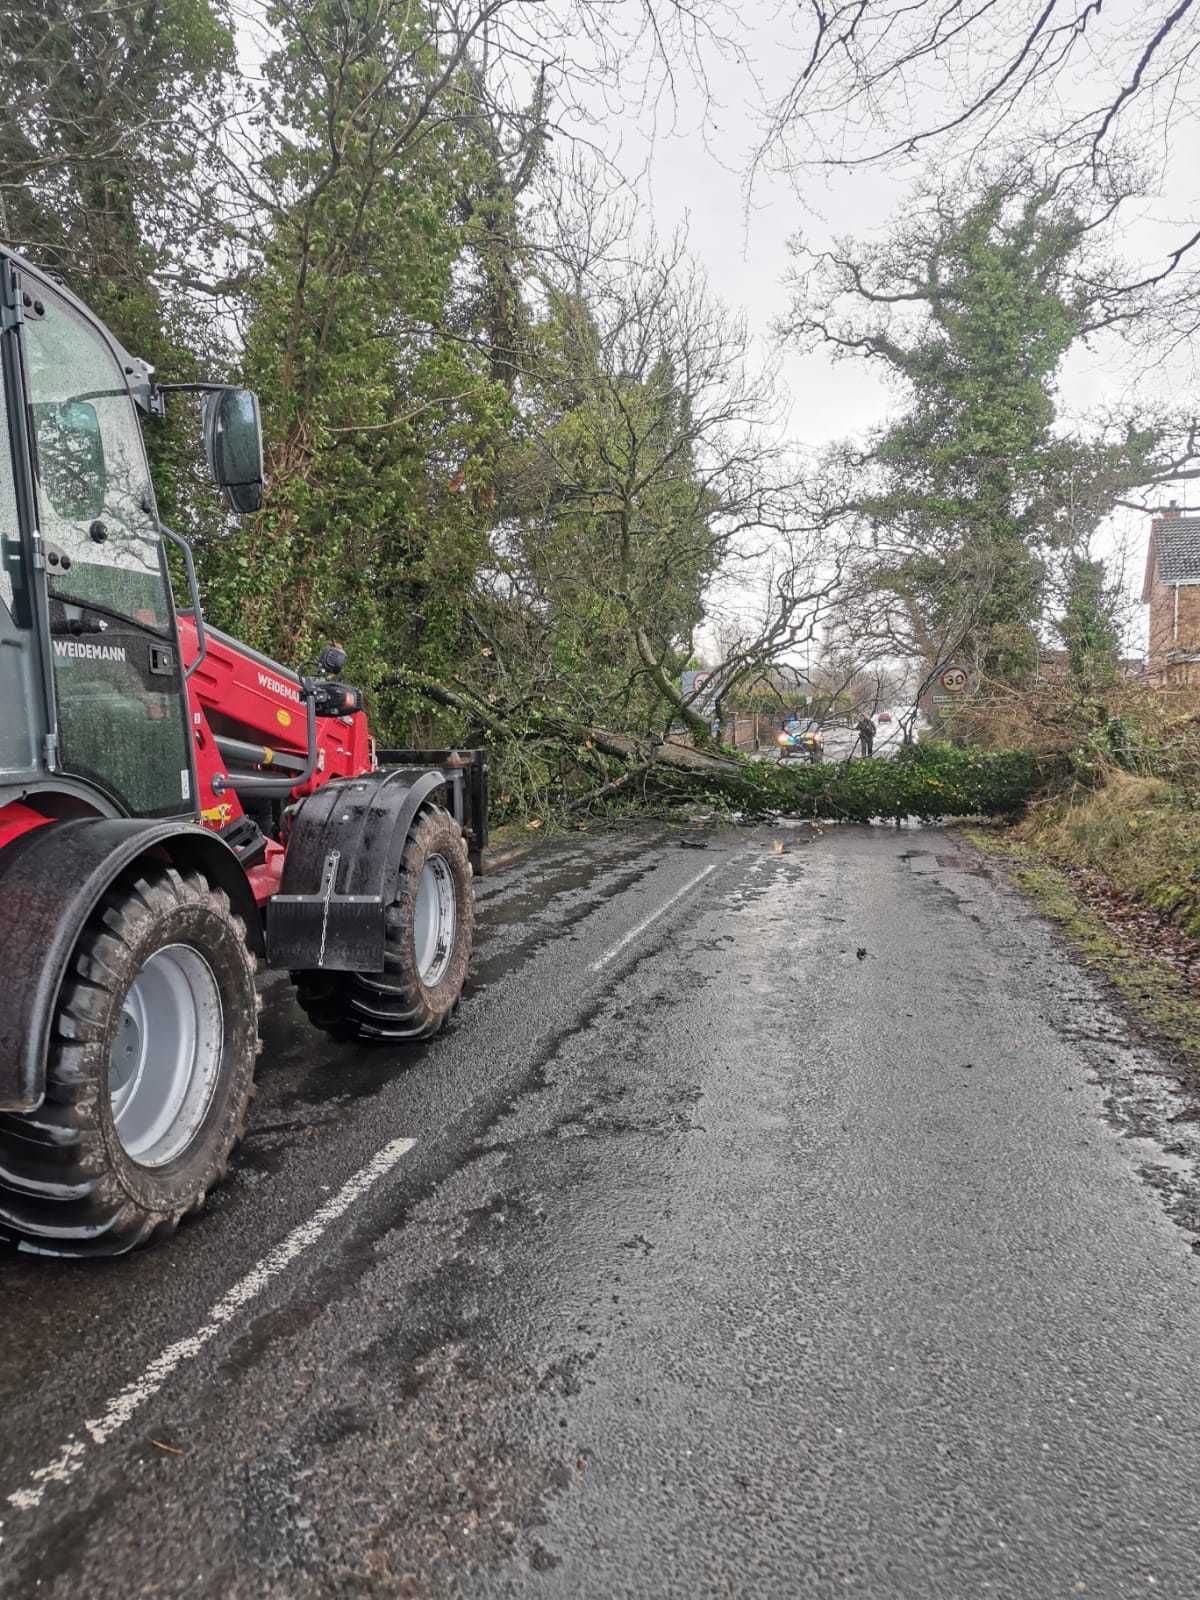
(343, 854)
(51, 880)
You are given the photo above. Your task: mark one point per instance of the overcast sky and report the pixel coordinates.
(688, 149)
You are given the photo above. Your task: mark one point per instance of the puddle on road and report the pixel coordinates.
(557, 869)
(536, 893)
(950, 861)
(1154, 1154)
(963, 864)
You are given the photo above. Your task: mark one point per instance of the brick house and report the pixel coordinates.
(1054, 664)
(1172, 591)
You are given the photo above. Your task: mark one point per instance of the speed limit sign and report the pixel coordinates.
(952, 686)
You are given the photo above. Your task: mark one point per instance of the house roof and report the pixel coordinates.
(1175, 549)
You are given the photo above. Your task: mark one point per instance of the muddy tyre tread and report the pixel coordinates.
(66, 1186)
(394, 1006)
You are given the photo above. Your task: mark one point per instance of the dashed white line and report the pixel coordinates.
(633, 933)
(129, 1400)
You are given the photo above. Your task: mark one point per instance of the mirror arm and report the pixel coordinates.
(181, 544)
(156, 401)
(196, 388)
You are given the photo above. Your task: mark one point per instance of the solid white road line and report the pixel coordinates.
(124, 1404)
(653, 917)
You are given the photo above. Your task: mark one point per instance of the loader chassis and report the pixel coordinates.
(174, 806)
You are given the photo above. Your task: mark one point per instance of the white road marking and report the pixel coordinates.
(124, 1404)
(653, 917)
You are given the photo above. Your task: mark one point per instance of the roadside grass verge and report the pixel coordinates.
(1142, 833)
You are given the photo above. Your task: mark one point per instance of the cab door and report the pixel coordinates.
(119, 691)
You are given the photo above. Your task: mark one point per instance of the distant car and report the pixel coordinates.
(806, 744)
(884, 716)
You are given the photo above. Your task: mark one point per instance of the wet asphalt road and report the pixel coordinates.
(780, 1247)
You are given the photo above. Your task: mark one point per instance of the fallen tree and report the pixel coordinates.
(577, 771)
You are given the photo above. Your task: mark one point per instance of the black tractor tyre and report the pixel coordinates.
(130, 1139)
(403, 1002)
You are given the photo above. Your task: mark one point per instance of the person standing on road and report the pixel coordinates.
(866, 734)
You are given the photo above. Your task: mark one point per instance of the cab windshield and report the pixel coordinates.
(96, 503)
(122, 722)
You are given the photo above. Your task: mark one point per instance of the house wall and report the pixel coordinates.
(1164, 642)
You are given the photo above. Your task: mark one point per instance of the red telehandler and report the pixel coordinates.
(175, 811)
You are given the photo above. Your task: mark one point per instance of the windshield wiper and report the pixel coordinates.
(106, 611)
(75, 626)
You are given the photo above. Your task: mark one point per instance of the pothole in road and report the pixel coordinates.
(962, 864)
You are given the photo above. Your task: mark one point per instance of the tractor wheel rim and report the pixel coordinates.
(166, 1057)
(435, 918)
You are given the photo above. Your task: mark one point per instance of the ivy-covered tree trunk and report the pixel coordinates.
(1089, 628)
(971, 307)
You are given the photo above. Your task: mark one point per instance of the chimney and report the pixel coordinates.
(1172, 509)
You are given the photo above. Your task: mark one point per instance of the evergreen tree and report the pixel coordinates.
(381, 411)
(1089, 627)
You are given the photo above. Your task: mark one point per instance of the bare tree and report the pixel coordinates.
(1104, 93)
(670, 470)
(923, 70)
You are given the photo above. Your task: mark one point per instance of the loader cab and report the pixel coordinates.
(90, 667)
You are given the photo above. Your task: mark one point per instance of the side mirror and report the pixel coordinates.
(233, 441)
